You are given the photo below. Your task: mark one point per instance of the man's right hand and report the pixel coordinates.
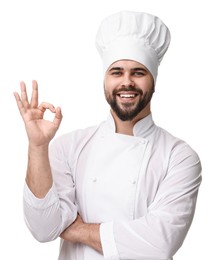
(39, 131)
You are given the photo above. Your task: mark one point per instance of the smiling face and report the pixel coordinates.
(128, 88)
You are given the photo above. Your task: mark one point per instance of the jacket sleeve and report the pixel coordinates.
(161, 232)
(46, 218)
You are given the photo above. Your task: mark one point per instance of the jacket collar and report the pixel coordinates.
(143, 128)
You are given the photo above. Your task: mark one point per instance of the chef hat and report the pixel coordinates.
(134, 36)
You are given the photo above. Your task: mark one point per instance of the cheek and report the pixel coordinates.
(110, 85)
(146, 85)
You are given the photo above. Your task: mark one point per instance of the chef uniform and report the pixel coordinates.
(141, 188)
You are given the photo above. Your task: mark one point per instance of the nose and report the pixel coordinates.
(127, 81)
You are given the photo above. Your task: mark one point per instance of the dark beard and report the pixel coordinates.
(128, 114)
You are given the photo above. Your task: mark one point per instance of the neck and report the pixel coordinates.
(126, 127)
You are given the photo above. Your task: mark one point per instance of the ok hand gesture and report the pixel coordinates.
(39, 131)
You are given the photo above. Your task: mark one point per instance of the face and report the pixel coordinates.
(128, 88)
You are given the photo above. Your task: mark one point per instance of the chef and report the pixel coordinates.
(125, 189)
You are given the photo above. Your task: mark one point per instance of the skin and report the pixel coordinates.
(40, 132)
(128, 74)
(123, 77)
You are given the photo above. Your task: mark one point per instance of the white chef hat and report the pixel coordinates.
(134, 36)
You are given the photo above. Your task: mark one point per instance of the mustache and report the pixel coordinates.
(125, 89)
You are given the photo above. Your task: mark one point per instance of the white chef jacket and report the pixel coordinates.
(142, 188)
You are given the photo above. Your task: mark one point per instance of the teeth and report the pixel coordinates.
(127, 95)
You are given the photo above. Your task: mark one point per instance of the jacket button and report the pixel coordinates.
(132, 181)
(94, 179)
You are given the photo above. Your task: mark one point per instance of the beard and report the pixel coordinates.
(129, 110)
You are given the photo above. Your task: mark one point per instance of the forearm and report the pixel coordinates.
(38, 177)
(48, 198)
(84, 233)
(89, 235)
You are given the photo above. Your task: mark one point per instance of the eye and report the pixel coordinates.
(116, 73)
(139, 73)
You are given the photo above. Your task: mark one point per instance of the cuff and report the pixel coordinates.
(108, 241)
(50, 198)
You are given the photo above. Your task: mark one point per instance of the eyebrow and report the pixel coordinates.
(138, 68)
(116, 68)
(133, 69)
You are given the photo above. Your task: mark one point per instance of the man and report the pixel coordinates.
(125, 189)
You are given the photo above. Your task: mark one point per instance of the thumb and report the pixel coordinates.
(58, 117)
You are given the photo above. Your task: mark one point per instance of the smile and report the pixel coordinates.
(127, 95)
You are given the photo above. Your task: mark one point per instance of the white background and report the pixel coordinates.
(53, 42)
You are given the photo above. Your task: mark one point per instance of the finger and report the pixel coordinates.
(19, 103)
(24, 96)
(17, 96)
(44, 106)
(34, 96)
(58, 117)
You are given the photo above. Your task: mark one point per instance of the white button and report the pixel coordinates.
(143, 141)
(132, 181)
(94, 179)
